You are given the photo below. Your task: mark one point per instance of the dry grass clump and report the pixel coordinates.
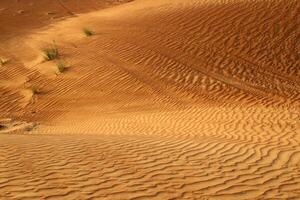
(35, 90)
(61, 67)
(51, 53)
(3, 61)
(88, 32)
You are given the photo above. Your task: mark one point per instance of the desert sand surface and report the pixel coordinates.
(157, 99)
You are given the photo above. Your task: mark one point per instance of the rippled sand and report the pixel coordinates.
(181, 99)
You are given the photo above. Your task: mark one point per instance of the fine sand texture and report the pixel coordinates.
(150, 99)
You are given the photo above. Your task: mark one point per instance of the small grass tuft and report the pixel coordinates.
(2, 126)
(51, 53)
(51, 13)
(88, 32)
(61, 66)
(3, 61)
(35, 90)
(30, 127)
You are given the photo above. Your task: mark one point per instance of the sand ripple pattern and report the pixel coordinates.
(191, 99)
(124, 167)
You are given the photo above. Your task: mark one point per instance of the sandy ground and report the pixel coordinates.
(167, 99)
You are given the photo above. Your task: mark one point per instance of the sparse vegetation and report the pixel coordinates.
(3, 61)
(61, 66)
(2, 127)
(51, 13)
(88, 32)
(51, 53)
(35, 90)
(30, 127)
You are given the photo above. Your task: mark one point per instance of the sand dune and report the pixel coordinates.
(181, 99)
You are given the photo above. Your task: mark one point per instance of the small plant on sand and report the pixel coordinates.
(51, 53)
(29, 127)
(88, 32)
(35, 90)
(2, 127)
(3, 61)
(50, 13)
(61, 67)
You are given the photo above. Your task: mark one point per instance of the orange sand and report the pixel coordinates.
(169, 99)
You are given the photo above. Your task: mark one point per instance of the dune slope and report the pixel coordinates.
(176, 99)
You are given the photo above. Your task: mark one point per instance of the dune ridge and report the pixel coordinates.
(167, 100)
